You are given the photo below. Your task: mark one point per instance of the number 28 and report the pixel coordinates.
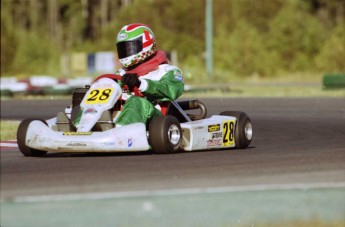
(99, 95)
(228, 133)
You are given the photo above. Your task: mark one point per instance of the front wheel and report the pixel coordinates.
(165, 135)
(243, 130)
(21, 138)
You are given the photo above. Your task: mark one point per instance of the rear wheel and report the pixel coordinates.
(165, 135)
(21, 138)
(243, 130)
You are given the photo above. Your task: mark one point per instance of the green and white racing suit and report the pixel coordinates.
(163, 84)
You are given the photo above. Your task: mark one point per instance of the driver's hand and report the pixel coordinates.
(131, 80)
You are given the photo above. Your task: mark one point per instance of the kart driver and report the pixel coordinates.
(146, 68)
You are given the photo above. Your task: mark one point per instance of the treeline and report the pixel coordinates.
(263, 37)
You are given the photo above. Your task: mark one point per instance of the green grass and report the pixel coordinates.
(310, 223)
(268, 90)
(291, 85)
(8, 130)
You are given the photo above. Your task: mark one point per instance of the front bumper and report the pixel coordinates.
(127, 138)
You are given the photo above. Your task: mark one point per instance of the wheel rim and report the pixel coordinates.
(174, 134)
(248, 130)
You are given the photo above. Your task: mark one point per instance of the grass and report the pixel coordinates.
(267, 90)
(291, 85)
(8, 130)
(310, 223)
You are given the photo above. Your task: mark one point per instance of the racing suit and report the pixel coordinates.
(163, 83)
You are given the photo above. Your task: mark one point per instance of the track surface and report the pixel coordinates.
(295, 141)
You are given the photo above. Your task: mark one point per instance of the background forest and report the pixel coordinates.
(266, 38)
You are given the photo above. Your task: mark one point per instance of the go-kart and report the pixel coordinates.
(97, 107)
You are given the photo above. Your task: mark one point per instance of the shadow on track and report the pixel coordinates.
(86, 155)
(119, 154)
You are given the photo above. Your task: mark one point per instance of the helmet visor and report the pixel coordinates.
(128, 48)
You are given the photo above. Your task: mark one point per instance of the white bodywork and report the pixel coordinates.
(197, 135)
(93, 105)
(211, 133)
(129, 138)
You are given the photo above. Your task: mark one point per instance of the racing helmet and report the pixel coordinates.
(135, 43)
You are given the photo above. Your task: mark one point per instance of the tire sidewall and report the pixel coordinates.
(170, 122)
(21, 139)
(242, 142)
(158, 135)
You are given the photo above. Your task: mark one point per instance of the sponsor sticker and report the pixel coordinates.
(76, 144)
(90, 110)
(214, 128)
(122, 36)
(130, 142)
(180, 78)
(198, 128)
(216, 135)
(77, 133)
(102, 85)
(107, 144)
(214, 142)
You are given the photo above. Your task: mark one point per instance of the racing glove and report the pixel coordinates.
(131, 80)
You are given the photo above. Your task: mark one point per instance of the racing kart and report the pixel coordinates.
(97, 107)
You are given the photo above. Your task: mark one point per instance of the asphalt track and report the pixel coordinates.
(297, 141)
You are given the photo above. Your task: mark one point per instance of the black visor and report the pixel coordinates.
(128, 48)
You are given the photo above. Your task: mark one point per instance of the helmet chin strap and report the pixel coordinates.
(150, 65)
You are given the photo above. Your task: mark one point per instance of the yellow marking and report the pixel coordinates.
(77, 133)
(228, 133)
(213, 128)
(99, 96)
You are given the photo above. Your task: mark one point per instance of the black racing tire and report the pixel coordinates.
(165, 135)
(21, 138)
(243, 130)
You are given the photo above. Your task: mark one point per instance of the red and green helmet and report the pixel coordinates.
(135, 43)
